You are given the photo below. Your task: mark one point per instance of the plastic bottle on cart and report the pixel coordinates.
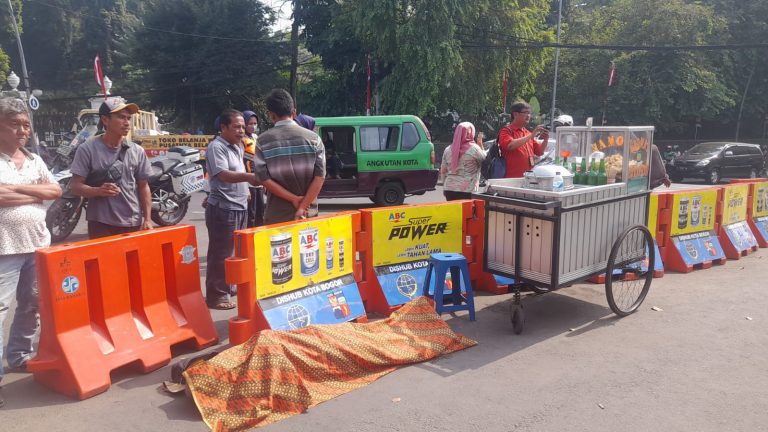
(602, 178)
(592, 174)
(557, 183)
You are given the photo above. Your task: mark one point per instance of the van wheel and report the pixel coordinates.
(390, 194)
(714, 177)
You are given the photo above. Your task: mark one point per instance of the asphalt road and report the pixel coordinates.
(696, 364)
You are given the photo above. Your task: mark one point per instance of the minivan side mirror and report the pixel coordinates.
(729, 152)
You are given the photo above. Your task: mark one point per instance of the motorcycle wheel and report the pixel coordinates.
(62, 217)
(172, 209)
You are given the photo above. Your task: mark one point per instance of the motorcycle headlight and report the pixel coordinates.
(705, 162)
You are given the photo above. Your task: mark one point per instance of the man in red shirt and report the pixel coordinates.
(517, 143)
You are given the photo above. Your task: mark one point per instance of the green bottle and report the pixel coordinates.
(581, 177)
(602, 178)
(592, 175)
(574, 171)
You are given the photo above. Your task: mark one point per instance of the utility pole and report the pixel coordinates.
(557, 64)
(25, 76)
(743, 98)
(294, 48)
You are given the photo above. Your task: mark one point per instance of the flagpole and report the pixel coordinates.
(557, 63)
(611, 77)
(368, 87)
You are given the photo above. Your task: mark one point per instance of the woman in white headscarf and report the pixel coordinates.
(460, 167)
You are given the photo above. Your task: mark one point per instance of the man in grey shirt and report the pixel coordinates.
(227, 207)
(118, 205)
(290, 163)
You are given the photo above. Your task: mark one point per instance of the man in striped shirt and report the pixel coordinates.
(290, 163)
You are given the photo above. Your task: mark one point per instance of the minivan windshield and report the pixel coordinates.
(706, 148)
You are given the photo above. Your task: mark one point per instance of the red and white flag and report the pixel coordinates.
(612, 75)
(99, 75)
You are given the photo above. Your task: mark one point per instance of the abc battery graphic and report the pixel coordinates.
(282, 258)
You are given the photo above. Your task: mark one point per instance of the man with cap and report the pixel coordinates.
(113, 173)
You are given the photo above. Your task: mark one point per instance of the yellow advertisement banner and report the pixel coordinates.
(653, 214)
(760, 200)
(693, 212)
(413, 233)
(306, 253)
(735, 203)
(168, 141)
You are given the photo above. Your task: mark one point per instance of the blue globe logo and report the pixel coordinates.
(298, 316)
(407, 285)
(70, 284)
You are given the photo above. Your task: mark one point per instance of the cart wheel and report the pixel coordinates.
(517, 315)
(630, 270)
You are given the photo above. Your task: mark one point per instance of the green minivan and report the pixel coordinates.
(384, 158)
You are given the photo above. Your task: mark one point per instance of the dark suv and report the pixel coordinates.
(712, 161)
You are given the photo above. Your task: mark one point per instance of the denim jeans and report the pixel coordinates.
(221, 224)
(17, 278)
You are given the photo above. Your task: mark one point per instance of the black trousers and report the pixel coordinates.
(99, 230)
(256, 207)
(453, 195)
(221, 224)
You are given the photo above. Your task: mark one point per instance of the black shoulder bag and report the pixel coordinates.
(112, 174)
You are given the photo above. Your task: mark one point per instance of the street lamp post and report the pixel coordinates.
(557, 64)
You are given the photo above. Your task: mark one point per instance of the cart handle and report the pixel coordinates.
(536, 205)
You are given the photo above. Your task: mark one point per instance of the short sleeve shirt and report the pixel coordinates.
(292, 157)
(519, 159)
(223, 156)
(22, 228)
(123, 210)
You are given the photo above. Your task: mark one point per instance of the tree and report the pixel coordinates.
(429, 56)
(199, 57)
(8, 41)
(665, 88)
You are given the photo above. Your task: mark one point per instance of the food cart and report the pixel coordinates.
(546, 235)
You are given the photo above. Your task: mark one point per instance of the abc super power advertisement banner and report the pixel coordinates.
(760, 208)
(304, 273)
(695, 212)
(692, 229)
(403, 240)
(735, 203)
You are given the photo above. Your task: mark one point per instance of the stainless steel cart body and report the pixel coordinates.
(553, 239)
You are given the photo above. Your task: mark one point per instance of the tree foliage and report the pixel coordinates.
(203, 75)
(188, 59)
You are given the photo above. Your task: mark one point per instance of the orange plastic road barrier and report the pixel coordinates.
(241, 270)
(686, 228)
(734, 230)
(757, 208)
(110, 302)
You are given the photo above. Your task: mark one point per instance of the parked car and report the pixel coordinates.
(713, 161)
(384, 158)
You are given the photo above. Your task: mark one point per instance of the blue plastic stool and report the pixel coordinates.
(441, 263)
